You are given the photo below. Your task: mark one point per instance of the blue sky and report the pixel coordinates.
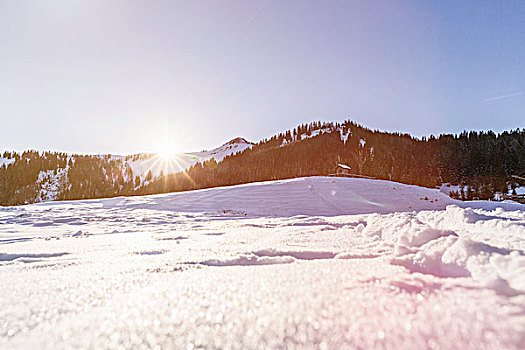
(105, 76)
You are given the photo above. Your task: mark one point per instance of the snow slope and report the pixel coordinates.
(304, 263)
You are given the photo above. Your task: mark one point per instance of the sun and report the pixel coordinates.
(167, 151)
(166, 154)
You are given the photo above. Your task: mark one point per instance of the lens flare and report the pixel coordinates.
(167, 154)
(167, 151)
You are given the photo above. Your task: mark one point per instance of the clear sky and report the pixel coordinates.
(103, 76)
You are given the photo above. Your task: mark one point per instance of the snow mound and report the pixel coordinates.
(447, 244)
(451, 256)
(324, 196)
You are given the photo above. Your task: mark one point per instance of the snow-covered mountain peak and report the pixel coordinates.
(238, 140)
(233, 146)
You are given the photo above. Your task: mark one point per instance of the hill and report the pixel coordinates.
(477, 164)
(33, 177)
(472, 165)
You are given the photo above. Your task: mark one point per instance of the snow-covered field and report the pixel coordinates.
(305, 263)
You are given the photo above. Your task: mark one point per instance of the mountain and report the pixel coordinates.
(471, 165)
(33, 177)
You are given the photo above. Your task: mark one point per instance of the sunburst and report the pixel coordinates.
(170, 161)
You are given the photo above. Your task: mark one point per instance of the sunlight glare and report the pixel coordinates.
(167, 151)
(167, 154)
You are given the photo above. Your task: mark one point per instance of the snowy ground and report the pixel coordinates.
(304, 263)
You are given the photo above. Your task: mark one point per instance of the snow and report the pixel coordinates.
(303, 263)
(249, 259)
(6, 161)
(344, 136)
(50, 183)
(305, 136)
(304, 196)
(520, 191)
(448, 188)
